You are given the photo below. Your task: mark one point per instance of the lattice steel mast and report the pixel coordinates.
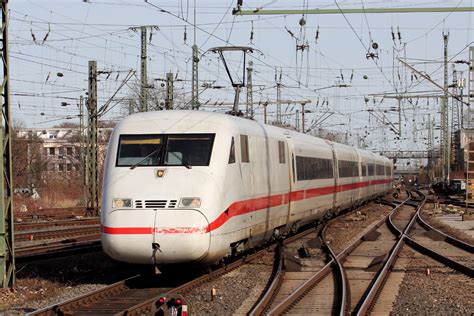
(143, 72)
(92, 174)
(7, 245)
(445, 141)
(195, 77)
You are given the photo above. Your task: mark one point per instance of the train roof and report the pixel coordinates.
(174, 121)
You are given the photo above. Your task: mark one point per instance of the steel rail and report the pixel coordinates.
(57, 247)
(62, 213)
(76, 302)
(369, 298)
(450, 239)
(143, 307)
(276, 279)
(433, 254)
(440, 258)
(22, 226)
(63, 232)
(342, 296)
(299, 292)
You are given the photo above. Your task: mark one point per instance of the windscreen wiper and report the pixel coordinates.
(157, 151)
(183, 161)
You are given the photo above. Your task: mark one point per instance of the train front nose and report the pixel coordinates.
(160, 237)
(180, 236)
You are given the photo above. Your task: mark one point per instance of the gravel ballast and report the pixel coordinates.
(441, 291)
(42, 284)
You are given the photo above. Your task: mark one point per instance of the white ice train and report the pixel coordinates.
(195, 186)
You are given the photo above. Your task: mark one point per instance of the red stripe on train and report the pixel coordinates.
(127, 230)
(153, 230)
(243, 207)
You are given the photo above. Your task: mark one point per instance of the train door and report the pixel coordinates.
(246, 172)
(335, 175)
(357, 179)
(372, 176)
(291, 173)
(353, 188)
(262, 166)
(278, 175)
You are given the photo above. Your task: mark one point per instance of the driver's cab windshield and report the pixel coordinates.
(165, 150)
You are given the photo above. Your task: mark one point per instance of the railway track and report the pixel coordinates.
(444, 236)
(353, 279)
(56, 238)
(58, 233)
(52, 213)
(27, 226)
(332, 286)
(137, 295)
(43, 250)
(285, 278)
(111, 299)
(323, 292)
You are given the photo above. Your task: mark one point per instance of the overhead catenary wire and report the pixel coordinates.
(175, 58)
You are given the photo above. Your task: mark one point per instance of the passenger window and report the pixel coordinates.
(371, 169)
(310, 168)
(244, 148)
(363, 168)
(232, 152)
(348, 169)
(281, 151)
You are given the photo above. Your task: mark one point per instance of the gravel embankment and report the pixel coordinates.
(429, 216)
(41, 284)
(343, 230)
(442, 292)
(232, 289)
(49, 282)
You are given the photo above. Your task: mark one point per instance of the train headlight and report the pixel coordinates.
(193, 202)
(121, 203)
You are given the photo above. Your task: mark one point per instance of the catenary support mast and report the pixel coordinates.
(445, 151)
(249, 107)
(169, 102)
(92, 175)
(143, 72)
(195, 77)
(7, 246)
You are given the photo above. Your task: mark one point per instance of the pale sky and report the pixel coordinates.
(51, 37)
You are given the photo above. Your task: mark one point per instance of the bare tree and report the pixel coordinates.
(156, 95)
(28, 163)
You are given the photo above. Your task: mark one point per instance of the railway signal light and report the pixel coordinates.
(172, 304)
(161, 301)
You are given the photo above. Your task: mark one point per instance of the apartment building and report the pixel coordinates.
(61, 148)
